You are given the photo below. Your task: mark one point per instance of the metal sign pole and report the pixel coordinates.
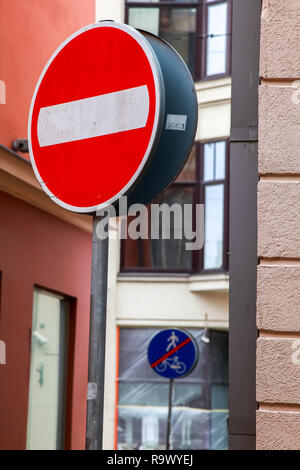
(161, 349)
(169, 413)
(94, 424)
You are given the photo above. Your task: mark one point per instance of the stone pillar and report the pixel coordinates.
(278, 277)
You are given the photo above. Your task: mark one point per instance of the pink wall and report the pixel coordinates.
(30, 31)
(39, 249)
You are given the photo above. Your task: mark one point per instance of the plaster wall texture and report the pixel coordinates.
(278, 430)
(278, 274)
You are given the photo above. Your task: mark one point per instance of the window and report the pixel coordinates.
(200, 30)
(48, 372)
(199, 417)
(203, 180)
(213, 183)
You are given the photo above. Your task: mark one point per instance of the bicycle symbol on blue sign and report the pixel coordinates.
(172, 353)
(175, 364)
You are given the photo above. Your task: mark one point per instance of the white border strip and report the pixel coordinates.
(96, 116)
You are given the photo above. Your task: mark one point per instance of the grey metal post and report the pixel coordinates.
(94, 425)
(243, 229)
(169, 413)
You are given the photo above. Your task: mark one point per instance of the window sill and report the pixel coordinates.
(212, 83)
(152, 277)
(196, 282)
(214, 91)
(209, 283)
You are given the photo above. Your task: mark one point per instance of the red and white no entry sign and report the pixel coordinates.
(94, 116)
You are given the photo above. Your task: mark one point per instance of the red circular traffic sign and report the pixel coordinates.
(95, 115)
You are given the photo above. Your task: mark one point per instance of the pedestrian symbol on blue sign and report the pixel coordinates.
(172, 353)
(173, 340)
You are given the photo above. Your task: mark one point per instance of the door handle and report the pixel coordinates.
(40, 338)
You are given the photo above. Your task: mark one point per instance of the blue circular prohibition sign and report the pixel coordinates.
(172, 353)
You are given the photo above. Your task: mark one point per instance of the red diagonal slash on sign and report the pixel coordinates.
(168, 354)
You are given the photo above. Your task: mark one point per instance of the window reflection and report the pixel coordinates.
(169, 1)
(217, 39)
(220, 160)
(199, 417)
(171, 253)
(197, 29)
(174, 25)
(201, 181)
(213, 246)
(214, 161)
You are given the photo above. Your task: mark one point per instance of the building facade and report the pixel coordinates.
(156, 284)
(45, 253)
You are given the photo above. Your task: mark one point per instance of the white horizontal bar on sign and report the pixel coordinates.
(120, 111)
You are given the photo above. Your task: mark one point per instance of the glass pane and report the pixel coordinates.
(142, 427)
(220, 160)
(133, 362)
(144, 393)
(171, 253)
(214, 161)
(162, 1)
(219, 356)
(191, 429)
(174, 25)
(188, 173)
(219, 397)
(144, 18)
(143, 1)
(178, 28)
(217, 44)
(214, 219)
(45, 426)
(199, 415)
(209, 162)
(162, 252)
(193, 395)
(219, 389)
(219, 436)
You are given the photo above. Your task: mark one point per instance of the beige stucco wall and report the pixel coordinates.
(155, 301)
(278, 282)
(110, 10)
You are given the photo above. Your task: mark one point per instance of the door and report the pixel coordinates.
(48, 372)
